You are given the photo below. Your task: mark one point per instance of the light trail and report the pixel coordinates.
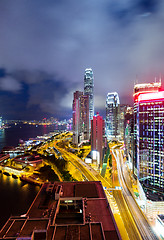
(139, 218)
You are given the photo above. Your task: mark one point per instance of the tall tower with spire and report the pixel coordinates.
(88, 90)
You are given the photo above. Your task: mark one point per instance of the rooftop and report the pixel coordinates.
(65, 210)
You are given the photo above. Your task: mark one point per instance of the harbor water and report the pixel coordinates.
(16, 196)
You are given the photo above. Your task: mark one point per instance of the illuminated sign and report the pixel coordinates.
(150, 96)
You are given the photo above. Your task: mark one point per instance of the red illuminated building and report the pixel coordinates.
(149, 136)
(80, 117)
(97, 135)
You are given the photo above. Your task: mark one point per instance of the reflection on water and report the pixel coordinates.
(11, 136)
(16, 197)
(2, 138)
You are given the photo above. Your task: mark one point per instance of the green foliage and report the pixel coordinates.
(60, 163)
(80, 154)
(27, 169)
(47, 173)
(86, 144)
(67, 176)
(110, 160)
(137, 194)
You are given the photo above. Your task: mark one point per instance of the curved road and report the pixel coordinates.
(139, 218)
(134, 220)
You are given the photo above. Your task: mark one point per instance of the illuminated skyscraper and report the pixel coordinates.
(122, 112)
(149, 135)
(128, 135)
(80, 117)
(88, 90)
(76, 117)
(97, 136)
(0, 122)
(84, 117)
(112, 115)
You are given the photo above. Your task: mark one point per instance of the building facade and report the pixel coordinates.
(97, 136)
(121, 126)
(112, 115)
(80, 117)
(149, 136)
(0, 122)
(88, 90)
(84, 117)
(76, 117)
(129, 135)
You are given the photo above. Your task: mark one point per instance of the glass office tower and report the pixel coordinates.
(149, 135)
(112, 115)
(88, 90)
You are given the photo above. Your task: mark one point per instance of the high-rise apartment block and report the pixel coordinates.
(97, 136)
(112, 115)
(128, 135)
(80, 117)
(122, 112)
(88, 90)
(84, 117)
(149, 135)
(76, 116)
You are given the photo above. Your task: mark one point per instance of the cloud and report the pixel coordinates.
(10, 84)
(55, 41)
(48, 95)
(67, 99)
(99, 101)
(31, 76)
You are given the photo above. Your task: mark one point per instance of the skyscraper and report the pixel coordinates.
(76, 117)
(128, 135)
(80, 117)
(112, 115)
(0, 122)
(149, 135)
(122, 112)
(84, 117)
(97, 135)
(88, 90)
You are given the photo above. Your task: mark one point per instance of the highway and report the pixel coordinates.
(137, 224)
(134, 221)
(89, 173)
(74, 160)
(125, 214)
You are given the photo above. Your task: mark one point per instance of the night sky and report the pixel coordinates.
(45, 46)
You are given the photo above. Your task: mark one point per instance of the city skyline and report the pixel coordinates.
(44, 53)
